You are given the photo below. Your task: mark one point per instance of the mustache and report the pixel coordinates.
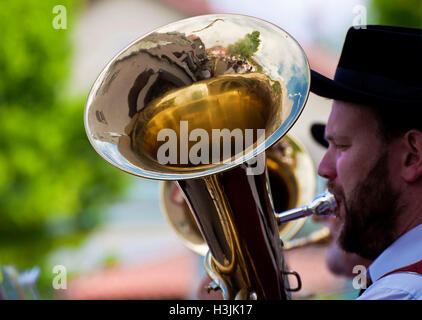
(335, 190)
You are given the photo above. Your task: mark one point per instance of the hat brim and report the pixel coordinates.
(332, 89)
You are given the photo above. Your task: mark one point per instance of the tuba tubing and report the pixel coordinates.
(236, 219)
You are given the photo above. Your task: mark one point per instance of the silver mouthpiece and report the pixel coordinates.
(321, 206)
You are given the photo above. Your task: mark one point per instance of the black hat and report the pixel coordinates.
(379, 66)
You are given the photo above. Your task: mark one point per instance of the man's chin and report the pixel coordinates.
(335, 225)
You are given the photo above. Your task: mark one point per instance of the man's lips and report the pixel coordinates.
(339, 203)
(337, 193)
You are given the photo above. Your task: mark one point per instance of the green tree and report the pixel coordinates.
(406, 13)
(246, 47)
(53, 186)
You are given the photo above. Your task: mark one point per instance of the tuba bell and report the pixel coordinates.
(199, 101)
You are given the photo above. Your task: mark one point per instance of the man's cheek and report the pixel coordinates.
(347, 175)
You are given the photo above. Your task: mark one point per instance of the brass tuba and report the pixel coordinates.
(152, 110)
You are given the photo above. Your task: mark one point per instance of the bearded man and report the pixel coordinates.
(373, 163)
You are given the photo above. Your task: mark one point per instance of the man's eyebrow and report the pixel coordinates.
(331, 137)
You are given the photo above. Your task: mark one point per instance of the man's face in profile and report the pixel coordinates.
(357, 166)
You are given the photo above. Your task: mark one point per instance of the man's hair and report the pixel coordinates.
(394, 122)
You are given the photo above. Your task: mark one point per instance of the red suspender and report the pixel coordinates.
(416, 267)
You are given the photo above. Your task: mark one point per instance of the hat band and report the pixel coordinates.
(378, 85)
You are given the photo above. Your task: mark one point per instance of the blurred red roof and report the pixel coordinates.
(171, 277)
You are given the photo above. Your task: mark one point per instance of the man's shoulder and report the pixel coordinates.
(396, 286)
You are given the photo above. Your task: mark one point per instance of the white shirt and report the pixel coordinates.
(405, 251)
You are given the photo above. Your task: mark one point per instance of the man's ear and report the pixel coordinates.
(412, 156)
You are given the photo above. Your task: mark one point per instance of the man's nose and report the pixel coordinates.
(327, 168)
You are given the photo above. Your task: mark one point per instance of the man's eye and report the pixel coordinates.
(341, 146)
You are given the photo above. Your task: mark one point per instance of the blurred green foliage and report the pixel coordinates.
(405, 13)
(53, 185)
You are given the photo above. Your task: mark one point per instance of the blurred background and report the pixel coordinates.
(63, 205)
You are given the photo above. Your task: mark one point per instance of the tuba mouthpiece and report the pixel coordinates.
(322, 205)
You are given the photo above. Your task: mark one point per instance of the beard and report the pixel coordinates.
(371, 213)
